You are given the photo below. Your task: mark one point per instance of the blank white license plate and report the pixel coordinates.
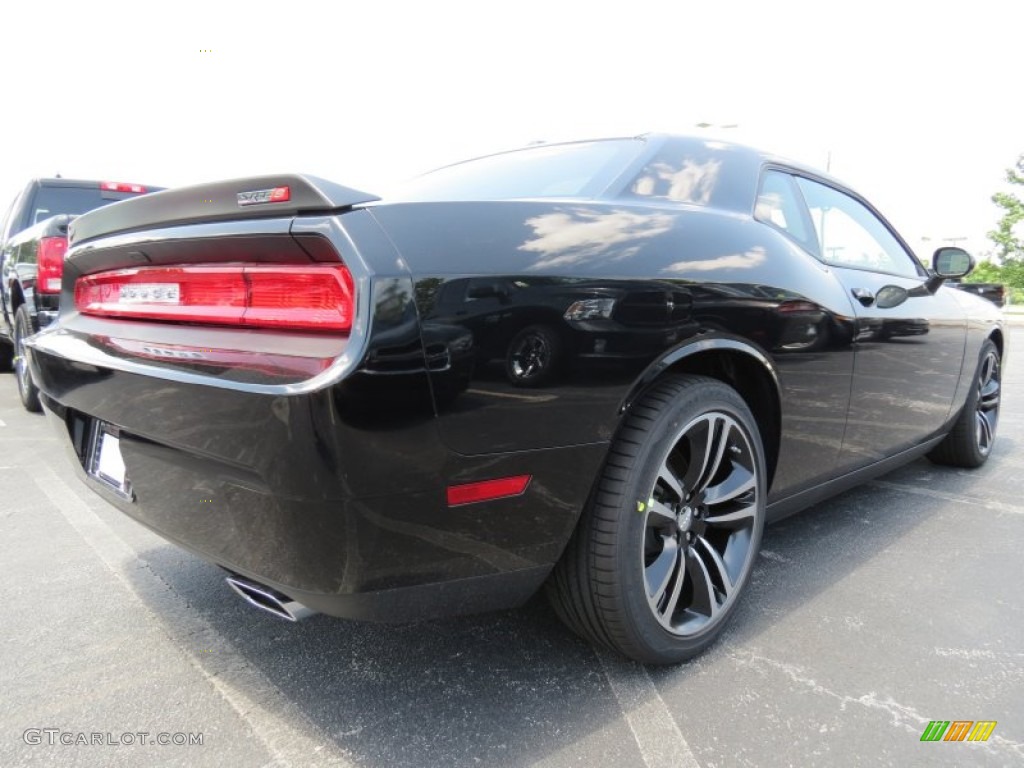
(106, 463)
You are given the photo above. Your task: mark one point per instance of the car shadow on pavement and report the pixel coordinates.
(515, 687)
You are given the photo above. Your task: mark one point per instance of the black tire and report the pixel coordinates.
(533, 356)
(24, 326)
(6, 357)
(637, 530)
(970, 441)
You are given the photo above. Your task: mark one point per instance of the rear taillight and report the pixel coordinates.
(120, 186)
(314, 298)
(50, 257)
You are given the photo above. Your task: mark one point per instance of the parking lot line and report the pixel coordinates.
(257, 701)
(992, 504)
(661, 743)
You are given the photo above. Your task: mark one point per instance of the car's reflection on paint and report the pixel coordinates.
(779, 320)
(535, 328)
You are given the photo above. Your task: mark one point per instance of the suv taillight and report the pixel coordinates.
(120, 186)
(306, 298)
(50, 257)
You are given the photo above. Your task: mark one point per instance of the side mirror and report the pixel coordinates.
(952, 263)
(947, 264)
(890, 296)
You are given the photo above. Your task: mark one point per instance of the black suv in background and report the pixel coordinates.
(33, 239)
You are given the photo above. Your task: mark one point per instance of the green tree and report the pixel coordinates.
(1007, 241)
(986, 272)
(1008, 264)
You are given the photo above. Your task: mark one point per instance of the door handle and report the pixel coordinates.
(863, 295)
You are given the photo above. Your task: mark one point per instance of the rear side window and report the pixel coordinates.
(53, 201)
(698, 172)
(582, 169)
(779, 205)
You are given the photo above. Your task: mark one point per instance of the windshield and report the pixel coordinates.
(581, 169)
(53, 201)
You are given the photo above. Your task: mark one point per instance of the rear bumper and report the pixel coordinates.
(331, 497)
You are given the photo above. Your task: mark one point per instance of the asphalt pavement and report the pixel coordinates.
(868, 616)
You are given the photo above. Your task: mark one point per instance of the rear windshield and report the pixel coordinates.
(52, 201)
(582, 169)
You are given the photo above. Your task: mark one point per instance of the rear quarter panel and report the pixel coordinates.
(737, 278)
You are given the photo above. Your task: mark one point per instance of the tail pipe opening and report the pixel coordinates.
(269, 600)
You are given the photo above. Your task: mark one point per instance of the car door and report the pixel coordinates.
(909, 342)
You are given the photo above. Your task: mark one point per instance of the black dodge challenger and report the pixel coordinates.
(596, 367)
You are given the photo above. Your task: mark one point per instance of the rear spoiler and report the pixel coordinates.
(254, 197)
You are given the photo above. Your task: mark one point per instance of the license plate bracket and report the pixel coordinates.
(106, 463)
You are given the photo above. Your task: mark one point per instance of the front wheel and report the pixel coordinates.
(666, 545)
(24, 326)
(970, 441)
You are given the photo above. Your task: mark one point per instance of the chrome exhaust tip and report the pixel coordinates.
(269, 600)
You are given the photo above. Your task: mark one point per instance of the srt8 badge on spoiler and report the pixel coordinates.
(259, 196)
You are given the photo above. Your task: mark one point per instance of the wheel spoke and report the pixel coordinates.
(677, 590)
(988, 370)
(715, 560)
(718, 441)
(662, 509)
(746, 512)
(668, 477)
(739, 481)
(701, 439)
(988, 397)
(985, 429)
(667, 560)
(704, 598)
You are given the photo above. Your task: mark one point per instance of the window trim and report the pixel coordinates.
(922, 271)
(616, 189)
(805, 216)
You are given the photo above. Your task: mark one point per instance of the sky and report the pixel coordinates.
(915, 105)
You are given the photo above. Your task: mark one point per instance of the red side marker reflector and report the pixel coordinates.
(487, 490)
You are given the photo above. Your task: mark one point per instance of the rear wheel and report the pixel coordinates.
(24, 326)
(667, 542)
(970, 441)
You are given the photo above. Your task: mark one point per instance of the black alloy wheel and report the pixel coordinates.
(667, 543)
(24, 326)
(986, 410)
(699, 524)
(973, 435)
(532, 356)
